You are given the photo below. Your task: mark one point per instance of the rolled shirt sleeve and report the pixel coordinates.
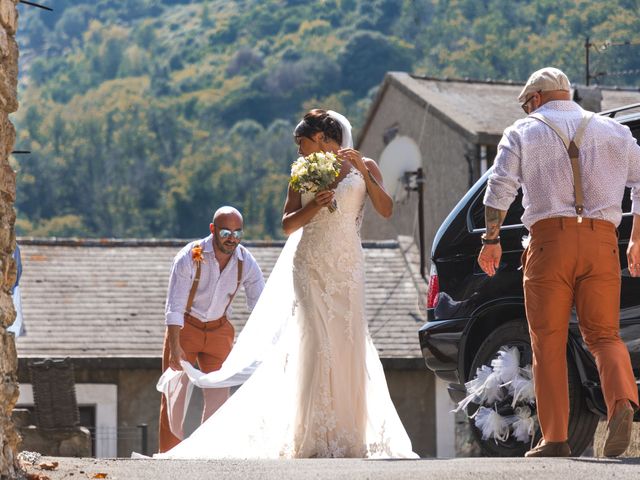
(253, 281)
(180, 281)
(505, 178)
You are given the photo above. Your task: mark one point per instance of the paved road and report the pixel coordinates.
(427, 469)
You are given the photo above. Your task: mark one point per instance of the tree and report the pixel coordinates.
(205, 17)
(367, 56)
(73, 22)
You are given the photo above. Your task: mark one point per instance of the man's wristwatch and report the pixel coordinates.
(489, 241)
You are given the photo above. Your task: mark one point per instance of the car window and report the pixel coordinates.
(635, 130)
(513, 217)
(626, 201)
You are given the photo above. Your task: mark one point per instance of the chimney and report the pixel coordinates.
(589, 98)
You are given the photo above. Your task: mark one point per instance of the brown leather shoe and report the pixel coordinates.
(549, 449)
(619, 430)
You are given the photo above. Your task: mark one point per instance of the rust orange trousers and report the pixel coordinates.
(569, 263)
(208, 344)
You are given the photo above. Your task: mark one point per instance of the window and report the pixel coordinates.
(626, 200)
(98, 404)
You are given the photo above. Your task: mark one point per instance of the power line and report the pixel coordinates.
(37, 5)
(609, 44)
(619, 73)
(600, 48)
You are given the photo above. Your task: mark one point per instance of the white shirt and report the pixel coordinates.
(532, 155)
(215, 288)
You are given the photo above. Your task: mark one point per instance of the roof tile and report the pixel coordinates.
(106, 298)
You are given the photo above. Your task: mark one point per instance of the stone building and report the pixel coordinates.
(9, 439)
(101, 303)
(454, 126)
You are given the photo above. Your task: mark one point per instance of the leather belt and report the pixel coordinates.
(205, 326)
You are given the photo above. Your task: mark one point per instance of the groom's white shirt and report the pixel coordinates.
(215, 288)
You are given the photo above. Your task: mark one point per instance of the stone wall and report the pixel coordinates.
(412, 394)
(411, 387)
(9, 438)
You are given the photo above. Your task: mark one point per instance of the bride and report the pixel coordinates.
(312, 381)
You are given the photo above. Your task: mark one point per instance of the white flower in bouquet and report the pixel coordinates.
(314, 173)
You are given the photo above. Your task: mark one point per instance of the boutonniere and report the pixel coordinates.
(196, 254)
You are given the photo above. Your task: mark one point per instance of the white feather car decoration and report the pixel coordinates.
(524, 425)
(522, 388)
(507, 364)
(491, 424)
(492, 385)
(475, 388)
(492, 391)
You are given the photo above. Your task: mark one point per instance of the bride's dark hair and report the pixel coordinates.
(318, 120)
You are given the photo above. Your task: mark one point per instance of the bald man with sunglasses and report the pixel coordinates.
(205, 277)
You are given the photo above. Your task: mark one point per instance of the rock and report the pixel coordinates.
(9, 438)
(9, 16)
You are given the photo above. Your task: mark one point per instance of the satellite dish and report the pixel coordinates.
(400, 156)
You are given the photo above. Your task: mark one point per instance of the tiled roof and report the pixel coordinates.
(481, 110)
(105, 298)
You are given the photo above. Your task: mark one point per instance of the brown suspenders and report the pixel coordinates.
(237, 287)
(196, 280)
(573, 150)
(194, 287)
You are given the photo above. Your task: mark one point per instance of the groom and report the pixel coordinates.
(205, 277)
(573, 167)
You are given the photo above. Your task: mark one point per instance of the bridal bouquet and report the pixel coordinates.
(315, 173)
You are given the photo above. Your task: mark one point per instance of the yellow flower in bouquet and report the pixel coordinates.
(315, 173)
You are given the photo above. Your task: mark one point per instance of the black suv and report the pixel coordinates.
(471, 316)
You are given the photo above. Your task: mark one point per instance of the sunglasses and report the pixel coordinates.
(226, 233)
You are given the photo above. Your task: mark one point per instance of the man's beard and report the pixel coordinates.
(226, 248)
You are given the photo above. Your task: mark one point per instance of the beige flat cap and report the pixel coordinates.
(544, 80)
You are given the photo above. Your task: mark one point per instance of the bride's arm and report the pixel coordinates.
(296, 216)
(382, 202)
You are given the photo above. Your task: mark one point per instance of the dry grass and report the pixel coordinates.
(634, 446)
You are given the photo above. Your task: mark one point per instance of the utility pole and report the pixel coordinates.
(601, 48)
(587, 46)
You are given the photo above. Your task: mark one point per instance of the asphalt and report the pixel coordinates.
(430, 469)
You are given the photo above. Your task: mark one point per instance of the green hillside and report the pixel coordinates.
(144, 115)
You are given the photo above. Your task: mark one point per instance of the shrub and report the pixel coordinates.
(244, 61)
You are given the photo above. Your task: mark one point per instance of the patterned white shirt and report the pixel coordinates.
(215, 288)
(531, 155)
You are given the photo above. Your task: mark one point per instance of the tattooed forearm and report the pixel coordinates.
(493, 219)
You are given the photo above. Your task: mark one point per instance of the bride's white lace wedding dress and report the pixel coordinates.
(314, 385)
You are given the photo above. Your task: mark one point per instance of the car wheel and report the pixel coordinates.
(582, 422)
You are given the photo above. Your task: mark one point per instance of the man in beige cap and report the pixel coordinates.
(572, 166)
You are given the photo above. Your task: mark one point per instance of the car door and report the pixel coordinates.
(507, 285)
(630, 290)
